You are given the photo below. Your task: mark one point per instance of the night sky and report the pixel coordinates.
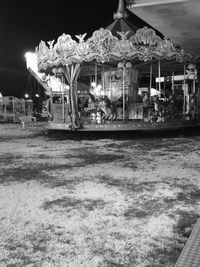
(23, 24)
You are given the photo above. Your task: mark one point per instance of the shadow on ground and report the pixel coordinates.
(119, 135)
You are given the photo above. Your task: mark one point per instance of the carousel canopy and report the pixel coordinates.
(120, 41)
(103, 47)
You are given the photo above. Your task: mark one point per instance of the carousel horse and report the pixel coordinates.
(159, 106)
(109, 109)
(172, 110)
(165, 108)
(90, 103)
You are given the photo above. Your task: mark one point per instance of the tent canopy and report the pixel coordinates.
(178, 19)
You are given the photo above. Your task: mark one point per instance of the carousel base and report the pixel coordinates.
(128, 126)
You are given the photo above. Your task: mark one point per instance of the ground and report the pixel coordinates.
(72, 202)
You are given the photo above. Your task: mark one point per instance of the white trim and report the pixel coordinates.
(158, 2)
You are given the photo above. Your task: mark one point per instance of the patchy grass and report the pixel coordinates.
(90, 157)
(68, 204)
(185, 223)
(109, 202)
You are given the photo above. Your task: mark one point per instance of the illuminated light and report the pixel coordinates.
(61, 70)
(128, 65)
(36, 95)
(55, 70)
(26, 95)
(191, 66)
(120, 65)
(98, 90)
(93, 84)
(31, 63)
(154, 92)
(43, 76)
(31, 60)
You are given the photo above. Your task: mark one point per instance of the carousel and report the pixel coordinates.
(122, 78)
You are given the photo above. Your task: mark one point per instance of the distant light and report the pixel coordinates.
(31, 63)
(37, 95)
(31, 60)
(26, 95)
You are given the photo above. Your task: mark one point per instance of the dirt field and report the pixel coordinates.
(95, 202)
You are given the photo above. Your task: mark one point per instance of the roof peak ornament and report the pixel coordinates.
(130, 2)
(121, 12)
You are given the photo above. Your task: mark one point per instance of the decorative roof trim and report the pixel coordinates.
(102, 46)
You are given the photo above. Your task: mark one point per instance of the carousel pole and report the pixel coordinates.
(184, 95)
(60, 75)
(150, 82)
(123, 87)
(173, 83)
(103, 81)
(13, 104)
(194, 84)
(63, 99)
(110, 96)
(95, 77)
(159, 84)
(198, 87)
(51, 109)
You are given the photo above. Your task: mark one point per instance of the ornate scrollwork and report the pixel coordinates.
(145, 36)
(166, 46)
(103, 46)
(102, 42)
(65, 46)
(124, 45)
(82, 47)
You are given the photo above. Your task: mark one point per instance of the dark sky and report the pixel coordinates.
(23, 24)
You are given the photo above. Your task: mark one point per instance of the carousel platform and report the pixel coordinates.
(135, 126)
(190, 256)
